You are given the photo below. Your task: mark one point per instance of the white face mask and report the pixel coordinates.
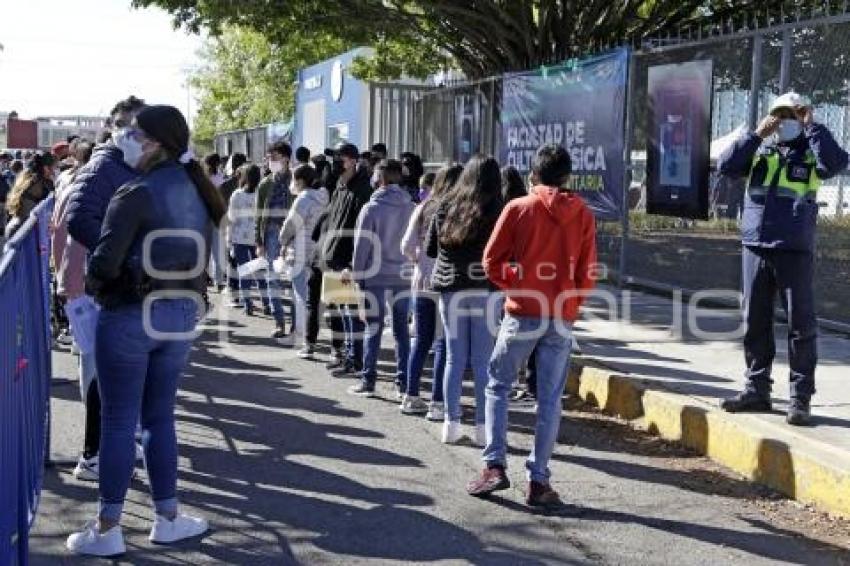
(789, 129)
(131, 148)
(275, 166)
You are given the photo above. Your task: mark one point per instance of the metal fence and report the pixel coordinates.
(754, 61)
(25, 370)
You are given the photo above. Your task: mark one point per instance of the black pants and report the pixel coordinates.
(91, 439)
(790, 273)
(531, 373)
(314, 304)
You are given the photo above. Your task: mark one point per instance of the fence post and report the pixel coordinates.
(627, 168)
(785, 61)
(755, 81)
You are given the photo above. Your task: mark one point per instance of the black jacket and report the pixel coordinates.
(459, 267)
(163, 199)
(336, 239)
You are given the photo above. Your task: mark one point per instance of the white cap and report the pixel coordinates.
(790, 100)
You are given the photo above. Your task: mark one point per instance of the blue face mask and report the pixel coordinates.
(130, 147)
(789, 129)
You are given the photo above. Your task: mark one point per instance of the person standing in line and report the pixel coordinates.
(412, 171)
(227, 188)
(456, 238)
(542, 254)
(297, 237)
(302, 156)
(428, 327)
(273, 202)
(785, 160)
(378, 266)
(218, 255)
(31, 187)
(144, 333)
(241, 233)
(336, 250)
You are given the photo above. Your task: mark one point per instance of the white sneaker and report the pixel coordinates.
(287, 341)
(307, 352)
(452, 432)
(436, 412)
(93, 542)
(87, 470)
(64, 338)
(182, 527)
(480, 435)
(140, 452)
(413, 406)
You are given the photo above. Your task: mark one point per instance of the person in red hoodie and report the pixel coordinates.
(542, 254)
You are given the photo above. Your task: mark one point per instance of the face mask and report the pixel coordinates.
(789, 129)
(275, 166)
(131, 148)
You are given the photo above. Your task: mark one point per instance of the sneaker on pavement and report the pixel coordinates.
(236, 304)
(92, 542)
(307, 352)
(287, 340)
(413, 406)
(140, 452)
(480, 436)
(348, 369)
(492, 478)
(542, 495)
(182, 527)
(799, 412)
(64, 338)
(523, 395)
(436, 412)
(746, 402)
(337, 360)
(452, 432)
(362, 390)
(87, 470)
(267, 310)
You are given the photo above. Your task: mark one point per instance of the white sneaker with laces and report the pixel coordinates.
(436, 412)
(452, 433)
(413, 406)
(87, 470)
(182, 527)
(480, 435)
(93, 542)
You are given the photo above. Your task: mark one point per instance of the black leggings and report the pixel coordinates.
(91, 440)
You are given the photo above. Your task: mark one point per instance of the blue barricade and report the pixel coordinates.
(25, 372)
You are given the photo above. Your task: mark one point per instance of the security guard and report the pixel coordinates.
(786, 159)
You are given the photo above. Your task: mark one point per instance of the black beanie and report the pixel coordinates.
(166, 125)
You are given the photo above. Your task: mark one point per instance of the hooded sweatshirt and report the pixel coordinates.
(542, 253)
(386, 216)
(297, 230)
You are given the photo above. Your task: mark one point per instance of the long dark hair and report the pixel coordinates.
(444, 181)
(512, 184)
(249, 177)
(474, 205)
(323, 173)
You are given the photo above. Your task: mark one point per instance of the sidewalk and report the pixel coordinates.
(654, 352)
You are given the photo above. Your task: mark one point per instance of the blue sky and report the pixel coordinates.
(81, 56)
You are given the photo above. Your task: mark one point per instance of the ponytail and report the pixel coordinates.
(211, 196)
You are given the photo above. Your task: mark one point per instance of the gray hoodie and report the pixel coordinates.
(378, 260)
(297, 229)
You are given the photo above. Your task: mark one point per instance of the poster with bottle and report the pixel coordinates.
(679, 128)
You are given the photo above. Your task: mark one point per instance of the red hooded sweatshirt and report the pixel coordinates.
(542, 253)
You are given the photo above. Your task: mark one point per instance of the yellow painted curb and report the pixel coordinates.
(759, 452)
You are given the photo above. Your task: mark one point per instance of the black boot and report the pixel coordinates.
(747, 402)
(799, 413)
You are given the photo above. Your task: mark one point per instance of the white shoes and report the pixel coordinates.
(92, 542)
(182, 527)
(87, 470)
(480, 435)
(452, 432)
(436, 412)
(413, 406)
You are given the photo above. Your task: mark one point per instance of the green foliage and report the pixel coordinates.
(246, 80)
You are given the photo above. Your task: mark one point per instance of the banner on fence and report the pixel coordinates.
(679, 128)
(580, 105)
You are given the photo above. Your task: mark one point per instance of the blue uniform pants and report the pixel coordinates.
(767, 272)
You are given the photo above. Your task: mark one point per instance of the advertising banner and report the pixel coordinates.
(580, 105)
(679, 139)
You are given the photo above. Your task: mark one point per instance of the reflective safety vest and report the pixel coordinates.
(780, 209)
(792, 180)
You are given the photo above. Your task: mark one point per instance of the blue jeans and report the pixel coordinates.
(518, 337)
(299, 292)
(243, 253)
(353, 329)
(377, 298)
(138, 372)
(425, 322)
(469, 341)
(275, 286)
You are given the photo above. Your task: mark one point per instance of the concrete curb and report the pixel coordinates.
(767, 454)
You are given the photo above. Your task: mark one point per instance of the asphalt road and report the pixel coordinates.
(289, 469)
